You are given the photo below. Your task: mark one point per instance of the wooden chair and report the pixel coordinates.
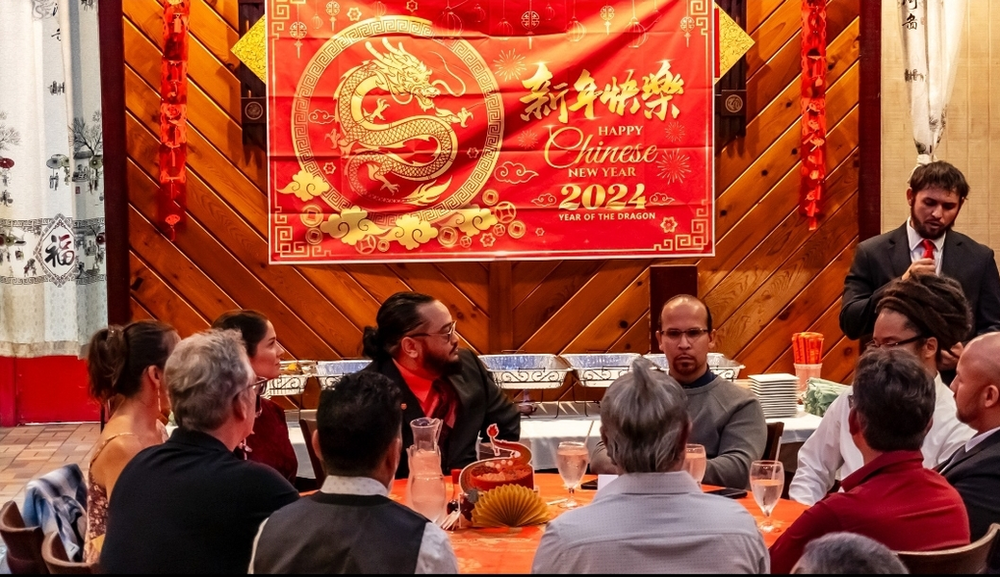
(58, 562)
(24, 544)
(773, 444)
(308, 426)
(971, 558)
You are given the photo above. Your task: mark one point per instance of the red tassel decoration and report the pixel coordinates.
(173, 115)
(812, 150)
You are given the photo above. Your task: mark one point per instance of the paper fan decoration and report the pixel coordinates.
(509, 506)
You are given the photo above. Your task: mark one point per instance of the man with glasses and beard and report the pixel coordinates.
(927, 244)
(726, 418)
(415, 345)
(924, 315)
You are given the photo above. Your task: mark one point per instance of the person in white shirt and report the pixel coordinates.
(924, 314)
(654, 518)
(350, 525)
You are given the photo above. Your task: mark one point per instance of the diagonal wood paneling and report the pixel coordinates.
(769, 278)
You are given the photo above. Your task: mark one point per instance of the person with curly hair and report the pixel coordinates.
(924, 314)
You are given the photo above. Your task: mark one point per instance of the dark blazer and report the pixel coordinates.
(885, 257)
(976, 476)
(481, 403)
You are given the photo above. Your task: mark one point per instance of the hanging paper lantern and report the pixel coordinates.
(636, 33)
(548, 13)
(505, 29)
(478, 14)
(575, 31)
(379, 10)
(448, 23)
(6, 163)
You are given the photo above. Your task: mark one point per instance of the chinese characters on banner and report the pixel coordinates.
(483, 129)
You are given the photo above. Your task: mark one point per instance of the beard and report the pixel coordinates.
(923, 231)
(443, 365)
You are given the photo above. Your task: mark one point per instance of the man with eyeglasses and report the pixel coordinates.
(725, 418)
(190, 505)
(415, 345)
(924, 315)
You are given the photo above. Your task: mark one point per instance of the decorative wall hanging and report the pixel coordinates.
(421, 131)
(173, 115)
(812, 149)
(253, 101)
(731, 70)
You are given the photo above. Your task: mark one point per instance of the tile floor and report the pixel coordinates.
(30, 451)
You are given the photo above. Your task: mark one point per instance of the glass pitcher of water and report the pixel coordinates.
(426, 490)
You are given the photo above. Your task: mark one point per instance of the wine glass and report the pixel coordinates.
(571, 458)
(767, 479)
(695, 462)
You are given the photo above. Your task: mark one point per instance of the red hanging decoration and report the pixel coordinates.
(173, 115)
(812, 150)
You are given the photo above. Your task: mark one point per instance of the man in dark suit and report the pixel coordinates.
(416, 346)
(925, 243)
(974, 470)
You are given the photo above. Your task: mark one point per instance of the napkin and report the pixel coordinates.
(819, 394)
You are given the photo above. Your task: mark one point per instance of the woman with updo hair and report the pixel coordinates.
(125, 366)
(269, 444)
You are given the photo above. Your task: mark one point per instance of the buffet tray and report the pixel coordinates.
(328, 373)
(527, 371)
(599, 369)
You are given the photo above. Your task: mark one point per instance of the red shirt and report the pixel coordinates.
(894, 500)
(421, 388)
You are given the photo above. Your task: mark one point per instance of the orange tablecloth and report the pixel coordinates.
(511, 550)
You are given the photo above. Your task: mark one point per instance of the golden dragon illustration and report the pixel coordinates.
(372, 144)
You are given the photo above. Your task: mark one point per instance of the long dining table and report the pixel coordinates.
(512, 549)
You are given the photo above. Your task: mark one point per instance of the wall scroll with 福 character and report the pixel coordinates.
(482, 129)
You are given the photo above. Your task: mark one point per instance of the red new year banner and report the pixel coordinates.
(484, 129)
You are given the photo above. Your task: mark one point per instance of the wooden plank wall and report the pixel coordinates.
(772, 276)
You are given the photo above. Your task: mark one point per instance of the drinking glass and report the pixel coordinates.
(572, 458)
(767, 479)
(695, 462)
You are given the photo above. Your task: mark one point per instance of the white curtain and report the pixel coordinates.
(932, 33)
(53, 293)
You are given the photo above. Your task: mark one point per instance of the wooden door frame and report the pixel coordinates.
(116, 204)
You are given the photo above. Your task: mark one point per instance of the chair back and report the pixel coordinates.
(773, 444)
(58, 562)
(971, 558)
(24, 544)
(308, 426)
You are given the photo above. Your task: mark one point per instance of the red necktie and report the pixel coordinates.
(928, 249)
(443, 407)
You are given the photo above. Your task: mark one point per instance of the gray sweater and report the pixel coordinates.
(728, 420)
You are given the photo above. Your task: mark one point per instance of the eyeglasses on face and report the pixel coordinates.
(259, 387)
(447, 334)
(676, 334)
(876, 345)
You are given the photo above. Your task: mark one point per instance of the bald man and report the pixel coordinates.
(975, 468)
(726, 418)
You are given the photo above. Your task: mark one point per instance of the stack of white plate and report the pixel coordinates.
(777, 393)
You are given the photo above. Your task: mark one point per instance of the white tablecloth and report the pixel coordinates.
(543, 430)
